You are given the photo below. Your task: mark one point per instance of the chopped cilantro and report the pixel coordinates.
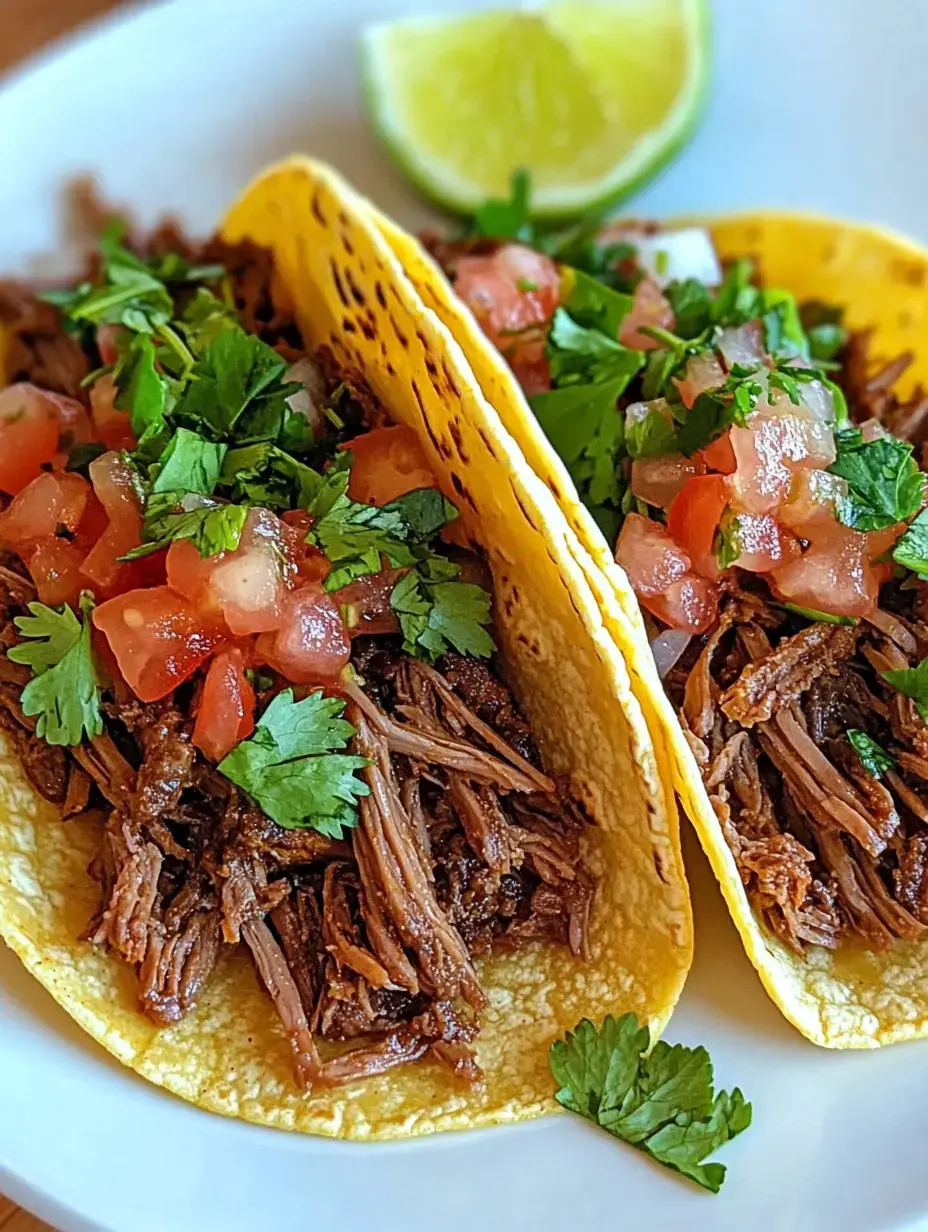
(885, 485)
(508, 218)
(65, 689)
(264, 474)
(580, 355)
(526, 284)
(911, 551)
(873, 757)
(190, 463)
(355, 536)
(585, 428)
(580, 248)
(727, 543)
(594, 305)
(142, 390)
(662, 1102)
(650, 436)
(824, 329)
(132, 292)
(783, 332)
(736, 300)
(912, 682)
(437, 612)
(290, 768)
(210, 525)
(788, 378)
(716, 410)
(825, 618)
(80, 457)
(692, 307)
(204, 319)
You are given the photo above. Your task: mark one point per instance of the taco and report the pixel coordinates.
(326, 802)
(734, 413)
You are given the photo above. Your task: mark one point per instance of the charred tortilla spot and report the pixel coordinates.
(316, 208)
(491, 448)
(400, 336)
(349, 326)
(913, 274)
(339, 286)
(452, 383)
(347, 244)
(430, 367)
(525, 513)
(381, 298)
(368, 331)
(356, 293)
(456, 435)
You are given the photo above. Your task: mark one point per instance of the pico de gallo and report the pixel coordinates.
(761, 483)
(232, 627)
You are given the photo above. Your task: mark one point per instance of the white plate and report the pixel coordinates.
(817, 103)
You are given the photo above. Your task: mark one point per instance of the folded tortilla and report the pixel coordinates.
(853, 998)
(230, 1055)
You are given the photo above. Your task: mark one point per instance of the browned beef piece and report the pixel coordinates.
(130, 868)
(167, 762)
(491, 701)
(911, 876)
(278, 980)
(298, 923)
(46, 765)
(40, 352)
(786, 673)
(182, 952)
(870, 394)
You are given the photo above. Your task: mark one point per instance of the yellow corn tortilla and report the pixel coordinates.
(231, 1055)
(853, 999)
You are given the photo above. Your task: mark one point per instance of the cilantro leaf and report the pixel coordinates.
(885, 485)
(291, 770)
(579, 247)
(824, 328)
(594, 305)
(692, 307)
(204, 319)
(650, 435)
(210, 525)
(264, 474)
(727, 543)
(912, 682)
(190, 463)
(142, 390)
(236, 387)
(508, 218)
(873, 757)
(911, 551)
(825, 618)
(65, 689)
(436, 612)
(736, 300)
(580, 355)
(586, 429)
(783, 331)
(716, 410)
(355, 536)
(662, 1103)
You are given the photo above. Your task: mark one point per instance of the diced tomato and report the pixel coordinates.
(55, 567)
(311, 646)
(51, 502)
(719, 455)
(657, 481)
(770, 449)
(693, 518)
(649, 556)
(764, 544)
(158, 638)
(113, 427)
(306, 563)
(509, 291)
(650, 308)
(227, 706)
(388, 462)
(690, 604)
(880, 541)
(366, 605)
(245, 587)
(811, 503)
(28, 435)
(107, 339)
(834, 574)
(92, 524)
(702, 372)
(114, 484)
(74, 426)
(743, 344)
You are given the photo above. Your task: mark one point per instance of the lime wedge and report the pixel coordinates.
(592, 97)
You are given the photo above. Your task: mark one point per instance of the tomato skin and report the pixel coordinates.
(307, 563)
(702, 372)
(368, 601)
(245, 587)
(28, 434)
(693, 518)
(50, 501)
(765, 545)
(311, 646)
(658, 481)
(650, 308)
(719, 455)
(388, 462)
(114, 486)
(835, 574)
(55, 567)
(649, 556)
(113, 427)
(227, 706)
(509, 291)
(158, 638)
(690, 604)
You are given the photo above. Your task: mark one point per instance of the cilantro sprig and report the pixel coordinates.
(885, 485)
(64, 693)
(291, 768)
(437, 612)
(912, 682)
(662, 1102)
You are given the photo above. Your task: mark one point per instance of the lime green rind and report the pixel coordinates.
(560, 203)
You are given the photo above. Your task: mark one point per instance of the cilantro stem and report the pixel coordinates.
(177, 345)
(669, 339)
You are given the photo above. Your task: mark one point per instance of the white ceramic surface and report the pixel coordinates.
(817, 103)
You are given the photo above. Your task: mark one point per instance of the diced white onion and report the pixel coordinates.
(742, 345)
(310, 400)
(819, 400)
(667, 648)
(672, 256)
